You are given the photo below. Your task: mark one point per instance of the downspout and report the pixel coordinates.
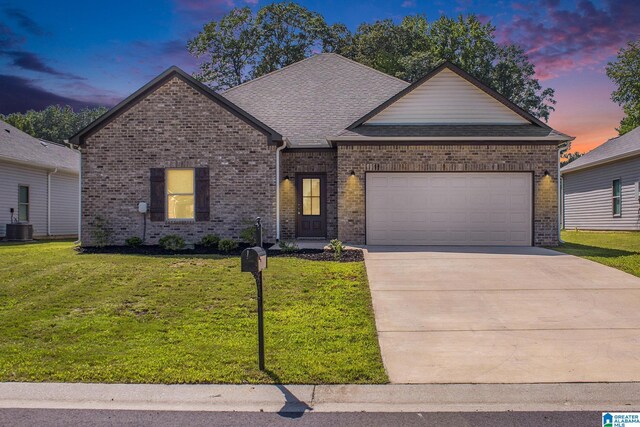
(49, 173)
(278, 150)
(560, 195)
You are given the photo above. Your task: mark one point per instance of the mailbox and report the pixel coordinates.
(253, 260)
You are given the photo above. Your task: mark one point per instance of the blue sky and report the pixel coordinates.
(96, 52)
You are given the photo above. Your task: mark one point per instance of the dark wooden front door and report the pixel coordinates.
(311, 205)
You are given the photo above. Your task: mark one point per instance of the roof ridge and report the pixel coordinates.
(314, 56)
(365, 66)
(270, 73)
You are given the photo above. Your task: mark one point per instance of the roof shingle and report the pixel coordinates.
(621, 147)
(315, 98)
(21, 147)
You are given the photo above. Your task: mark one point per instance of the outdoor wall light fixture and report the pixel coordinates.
(286, 178)
(546, 173)
(353, 173)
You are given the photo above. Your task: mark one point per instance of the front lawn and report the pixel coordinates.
(616, 249)
(180, 319)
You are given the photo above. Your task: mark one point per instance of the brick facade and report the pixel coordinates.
(446, 158)
(177, 126)
(309, 161)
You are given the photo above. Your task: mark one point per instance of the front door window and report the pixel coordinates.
(311, 196)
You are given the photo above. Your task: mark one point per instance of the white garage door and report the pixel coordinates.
(449, 209)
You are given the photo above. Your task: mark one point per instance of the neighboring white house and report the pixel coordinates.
(39, 184)
(602, 188)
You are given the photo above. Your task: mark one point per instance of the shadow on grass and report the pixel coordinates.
(293, 407)
(593, 251)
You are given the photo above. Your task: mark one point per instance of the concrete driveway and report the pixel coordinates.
(502, 315)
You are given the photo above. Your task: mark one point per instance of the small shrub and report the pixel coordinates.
(227, 245)
(248, 235)
(287, 247)
(210, 241)
(134, 242)
(336, 247)
(172, 242)
(101, 232)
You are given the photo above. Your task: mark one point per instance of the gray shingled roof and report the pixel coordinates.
(411, 131)
(621, 147)
(315, 98)
(21, 147)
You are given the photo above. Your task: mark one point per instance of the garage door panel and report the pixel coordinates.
(449, 208)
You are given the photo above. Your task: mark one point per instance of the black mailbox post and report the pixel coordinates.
(254, 260)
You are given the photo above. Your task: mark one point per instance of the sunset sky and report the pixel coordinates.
(85, 52)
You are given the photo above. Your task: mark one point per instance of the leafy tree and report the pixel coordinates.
(287, 33)
(230, 46)
(570, 157)
(55, 123)
(625, 72)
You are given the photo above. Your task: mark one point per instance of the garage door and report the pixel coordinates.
(449, 209)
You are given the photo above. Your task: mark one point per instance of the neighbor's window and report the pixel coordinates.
(180, 194)
(617, 197)
(310, 196)
(23, 203)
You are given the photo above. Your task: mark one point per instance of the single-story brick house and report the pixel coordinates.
(602, 188)
(324, 148)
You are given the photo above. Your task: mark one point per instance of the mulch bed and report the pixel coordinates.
(349, 255)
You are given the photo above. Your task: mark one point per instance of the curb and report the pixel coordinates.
(325, 398)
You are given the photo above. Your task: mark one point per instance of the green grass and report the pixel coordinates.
(620, 250)
(181, 319)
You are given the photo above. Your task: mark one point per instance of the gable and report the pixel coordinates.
(177, 75)
(447, 98)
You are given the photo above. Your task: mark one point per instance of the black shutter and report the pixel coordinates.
(202, 194)
(156, 209)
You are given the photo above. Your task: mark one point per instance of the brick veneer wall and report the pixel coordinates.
(446, 158)
(308, 161)
(177, 126)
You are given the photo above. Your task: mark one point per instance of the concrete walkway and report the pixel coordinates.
(324, 398)
(503, 315)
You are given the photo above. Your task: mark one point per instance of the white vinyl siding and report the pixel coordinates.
(64, 199)
(11, 177)
(64, 204)
(588, 197)
(449, 209)
(447, 98)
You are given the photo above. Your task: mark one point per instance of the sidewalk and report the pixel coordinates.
(325, 398)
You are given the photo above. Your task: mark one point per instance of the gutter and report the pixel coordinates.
(447, 138)
(49, 173)
(560, 196)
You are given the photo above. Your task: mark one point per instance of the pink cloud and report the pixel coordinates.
(558, 40)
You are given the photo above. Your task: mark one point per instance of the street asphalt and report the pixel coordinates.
(98, 418)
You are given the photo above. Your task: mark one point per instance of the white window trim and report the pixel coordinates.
(614, 197)
(166, 195)
(28, 204)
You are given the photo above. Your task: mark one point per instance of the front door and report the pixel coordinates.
(311, 205)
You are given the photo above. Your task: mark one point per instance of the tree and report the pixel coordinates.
(55, 123)
(570, 157)
(231, 47)
(625, 73)
(241, 45)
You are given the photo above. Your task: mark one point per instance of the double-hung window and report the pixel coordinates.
(23, 203)
(617, 197)
(180, 194)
